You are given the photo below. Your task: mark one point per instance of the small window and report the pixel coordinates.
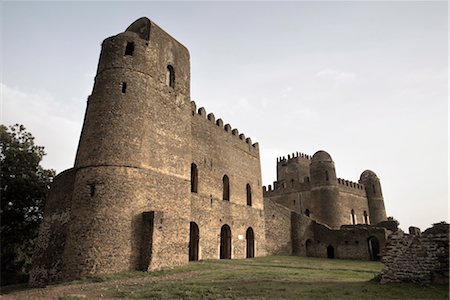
(92, 190)
(307, 213)
(353, 217)
(129, 49)
(249, 195)
(170, 76)
(124, 87)
(226, 188)
(326, 176)
(373, 189)
(366, 219)
(194, 178)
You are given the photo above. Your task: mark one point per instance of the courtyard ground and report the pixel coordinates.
(275, 277)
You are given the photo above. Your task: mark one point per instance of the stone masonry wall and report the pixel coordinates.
(53, 231)
(417, 258)
(278, 229)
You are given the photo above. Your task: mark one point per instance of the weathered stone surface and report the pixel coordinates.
(158, 182)
(417, 258)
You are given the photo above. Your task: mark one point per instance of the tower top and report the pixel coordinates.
(142, 27)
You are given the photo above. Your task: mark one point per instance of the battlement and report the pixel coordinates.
(350, 184)
(294, 156)
(219, 123)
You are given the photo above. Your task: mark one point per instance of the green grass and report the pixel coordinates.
(275, 277)
(278, 277)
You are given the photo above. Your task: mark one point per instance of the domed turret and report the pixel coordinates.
(324, 189)
(377, 211)
(322, 169)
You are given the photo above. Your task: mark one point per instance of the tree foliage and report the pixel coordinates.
(24, 184)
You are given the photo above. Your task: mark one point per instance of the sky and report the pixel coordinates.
(365, 81)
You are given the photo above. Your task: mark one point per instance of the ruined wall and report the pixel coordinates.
(417, 258)
(278, 228)
(310, 238)
(48, 253)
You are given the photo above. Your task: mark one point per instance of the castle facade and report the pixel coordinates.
(158, 182)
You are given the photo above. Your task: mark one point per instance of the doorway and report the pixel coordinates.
(225, 242)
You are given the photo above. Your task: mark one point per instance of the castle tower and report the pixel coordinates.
(324, 190)
(377, 212)
(133, 159)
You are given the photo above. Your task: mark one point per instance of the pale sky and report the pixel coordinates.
(365, 81)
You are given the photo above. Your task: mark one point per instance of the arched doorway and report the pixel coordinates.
(330, 251)
(308, 246)
(194, 237)
(374, 248)
(250, 237)
(225, 242)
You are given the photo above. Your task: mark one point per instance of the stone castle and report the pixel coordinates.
(158, 183)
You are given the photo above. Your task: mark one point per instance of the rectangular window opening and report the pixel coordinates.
(124, 87)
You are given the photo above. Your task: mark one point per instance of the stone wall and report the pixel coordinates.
(417, 258)
(278, 229)
(48, 254)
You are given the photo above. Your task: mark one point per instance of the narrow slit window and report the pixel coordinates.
(226, 188)
(129, 49)
(326, 176)
(170, 76)
(124, 87)
(353, 217)
(194, 178)
(249, 195)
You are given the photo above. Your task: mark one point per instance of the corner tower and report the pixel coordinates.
(377, 212)
(131, 188)
(325, 190)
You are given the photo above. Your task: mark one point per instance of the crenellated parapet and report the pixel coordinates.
(293, 156)
(350, 184)
(220, 124)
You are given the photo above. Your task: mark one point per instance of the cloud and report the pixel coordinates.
(54, 124)
(336, 75)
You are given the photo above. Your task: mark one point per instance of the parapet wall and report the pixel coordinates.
(418, 258)
(217, 150)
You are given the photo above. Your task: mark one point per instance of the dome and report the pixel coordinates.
(368, 174)
(321, 156)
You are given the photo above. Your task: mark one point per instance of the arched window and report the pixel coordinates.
(249, 195)
(366, 219)
(353, 217)
(194, 178)
(129, 49)
(170, 76)
(250, 239)
(226, 188)
(307, 213)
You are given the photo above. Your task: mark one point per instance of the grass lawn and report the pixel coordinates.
(275, 277)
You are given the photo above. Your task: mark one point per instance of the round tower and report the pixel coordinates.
(377, 212)
(324, 190)
(132, 167)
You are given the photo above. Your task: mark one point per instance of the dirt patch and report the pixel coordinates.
(106, 290)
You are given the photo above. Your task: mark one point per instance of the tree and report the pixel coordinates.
(24, 184)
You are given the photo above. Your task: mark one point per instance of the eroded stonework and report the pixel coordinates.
(157, 182)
